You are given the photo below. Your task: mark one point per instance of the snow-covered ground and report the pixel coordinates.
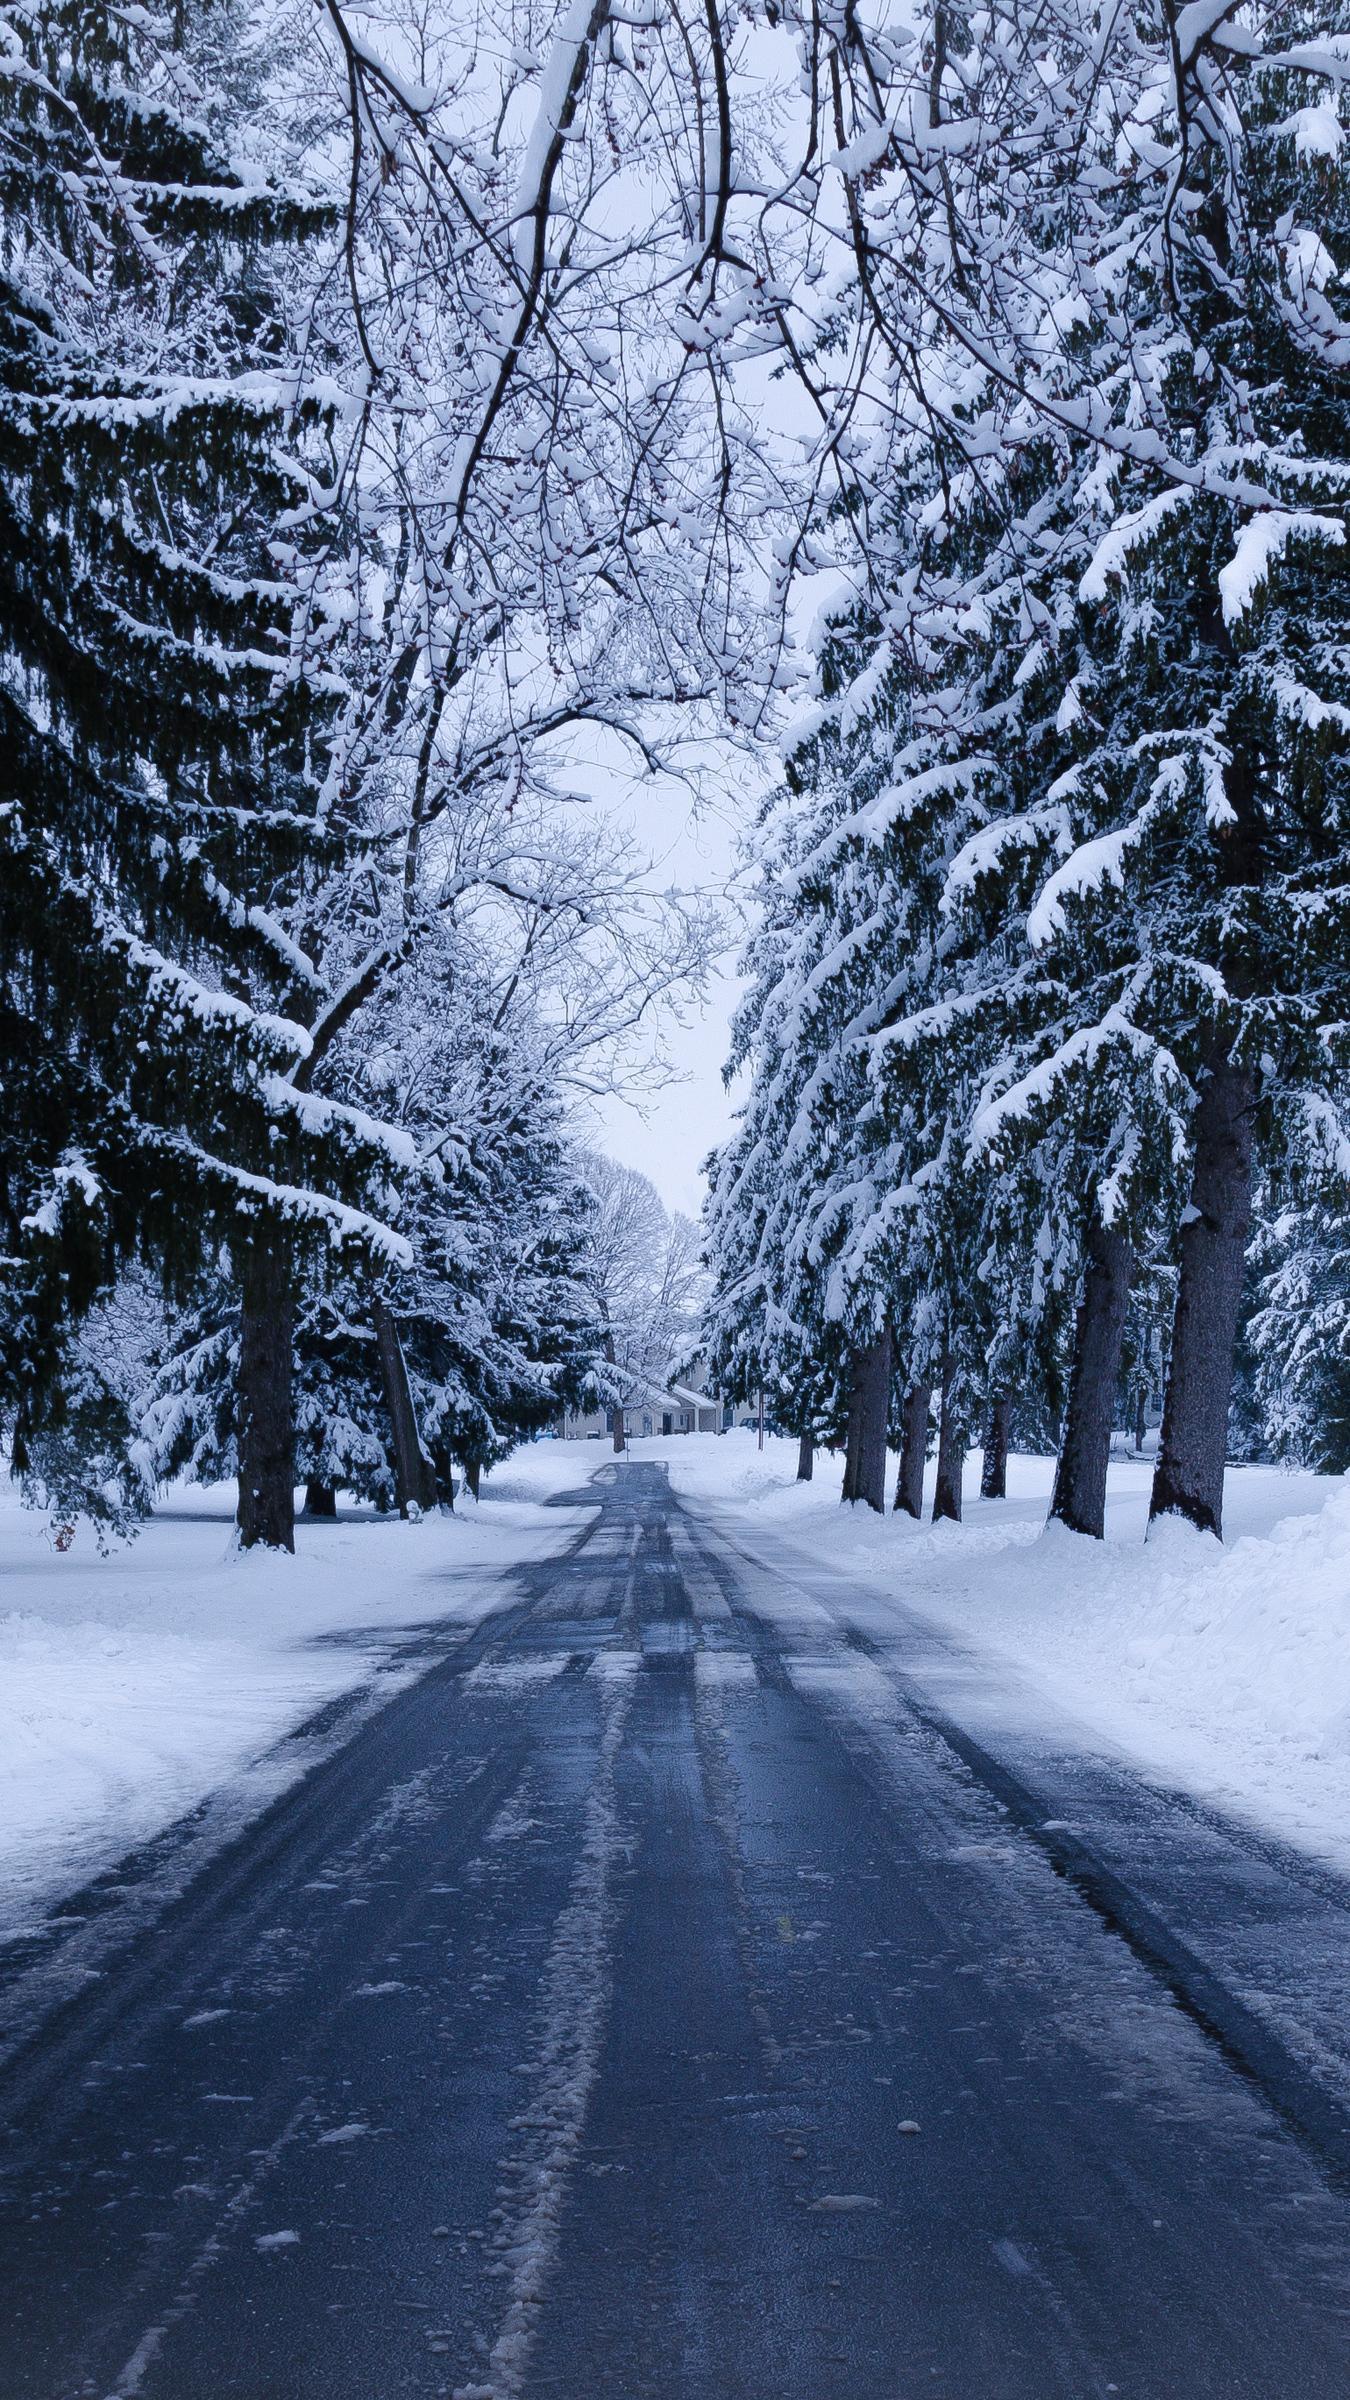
(132, 1685)
(1225, 1669)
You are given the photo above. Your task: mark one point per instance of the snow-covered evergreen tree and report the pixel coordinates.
(895, 982)
(495, 1323)
(785, 1190)
(161, 717)
(492, 1325)
(88, 1461)
(1197, 913)
(1089, 263)
(1296, 1339)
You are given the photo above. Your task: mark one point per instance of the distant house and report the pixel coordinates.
(721, 1414)
(648, 1408)
(684, 1406)
(702, 1409)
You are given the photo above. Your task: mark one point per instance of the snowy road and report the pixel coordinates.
(650, 2001)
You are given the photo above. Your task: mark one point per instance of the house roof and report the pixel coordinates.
(638, 1391)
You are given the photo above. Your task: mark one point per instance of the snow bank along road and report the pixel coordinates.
(657, 1997)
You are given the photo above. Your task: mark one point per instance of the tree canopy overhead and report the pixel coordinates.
(416, 425)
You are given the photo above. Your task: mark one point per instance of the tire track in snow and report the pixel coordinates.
(102, 1923)
(127, 2385)
(573, 2007)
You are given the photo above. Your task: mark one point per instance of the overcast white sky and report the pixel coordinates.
(670, 1132)
(667, 1133)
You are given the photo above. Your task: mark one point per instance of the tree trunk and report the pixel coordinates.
(806, 1455)
(320, 1499)
(852, 1432)
(1140, 1426)
(868, 1411)
(951, 1457)
(615, 1414)
(413, 1473)
(1079, 1496)
(913, 1449)
(473, 1475)
(994, 1472)
(1188, 1478)
(266, 1419)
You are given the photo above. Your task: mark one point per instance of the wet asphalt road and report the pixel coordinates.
(560, 2035)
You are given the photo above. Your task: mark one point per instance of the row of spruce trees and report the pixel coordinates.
(1049, 1003)
(169, 675)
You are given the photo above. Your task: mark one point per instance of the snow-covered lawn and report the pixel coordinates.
(132, 1685)
(1226, 1669)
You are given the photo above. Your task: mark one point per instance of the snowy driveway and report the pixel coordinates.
(653, 1999)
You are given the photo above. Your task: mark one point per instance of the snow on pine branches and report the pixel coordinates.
(162, 718)
(1083, 319)
(416, 425)
(394, 514)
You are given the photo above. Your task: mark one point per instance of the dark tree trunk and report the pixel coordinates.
(852, 1431)
(1188, 1478)
(266, 1418)
(320, 1499)
(868, 1411)
(951, 1457)
(994, 1472)
(1079, 1496)
(413, 1472)
(473, 1475)
(1140, 1426)
(615, 1414)
(806, 1455)
(913, 1449)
